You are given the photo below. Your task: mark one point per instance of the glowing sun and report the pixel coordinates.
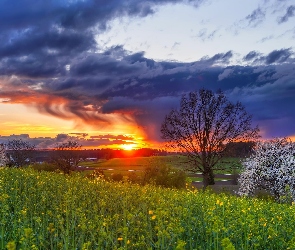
(128, 146)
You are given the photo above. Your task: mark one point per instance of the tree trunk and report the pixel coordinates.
(208, 177)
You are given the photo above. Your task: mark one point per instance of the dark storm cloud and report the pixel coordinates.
(148, 114)
(251, 56)
(76, 15)
(219, 58)
(290, 12)
(278, 56)
(270, 99)
(49, 42)
(37, 53)
(32, 66)
(69, 14)
(274, 57)
(40, 38)
(265, 93)
(95, 64)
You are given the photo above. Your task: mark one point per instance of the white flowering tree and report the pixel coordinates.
(20, 152)
(270, 167)
(3, 157)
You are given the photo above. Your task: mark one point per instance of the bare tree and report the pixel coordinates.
(67, 155)
(20, 152)
(203, 126)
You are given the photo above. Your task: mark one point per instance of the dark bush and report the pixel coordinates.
(117, 177)
(164, 176)
(44, 166)
(134, 178)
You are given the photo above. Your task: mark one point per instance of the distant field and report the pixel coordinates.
(134, 164)
(125, 165)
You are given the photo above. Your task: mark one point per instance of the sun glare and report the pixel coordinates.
(128, 146)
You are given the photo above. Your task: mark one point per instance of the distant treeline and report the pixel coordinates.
(46, 155)
(236, 149)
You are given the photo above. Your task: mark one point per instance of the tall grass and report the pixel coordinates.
(42, 210)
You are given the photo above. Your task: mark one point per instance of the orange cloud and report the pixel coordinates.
(83, 114)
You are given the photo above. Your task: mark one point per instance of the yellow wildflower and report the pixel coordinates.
(11, 245)
(51, 228)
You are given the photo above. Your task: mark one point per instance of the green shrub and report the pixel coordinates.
(117, 177)
(164, 176)
(44, 166)
(134, 178)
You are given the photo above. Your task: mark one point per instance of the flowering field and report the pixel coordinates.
(42, 210)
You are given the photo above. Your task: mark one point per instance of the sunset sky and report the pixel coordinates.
(107, 72)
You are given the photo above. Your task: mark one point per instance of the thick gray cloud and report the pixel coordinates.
(219, 58)
(226, 73)
(270, 99)
(278, 56)
(38, 39)
(274, 57)
(79, 15)
(251, 56)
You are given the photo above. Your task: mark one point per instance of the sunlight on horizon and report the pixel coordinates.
(128, 146)
(19, 119)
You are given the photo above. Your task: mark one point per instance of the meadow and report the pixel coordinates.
(139, 164)
(44, 210)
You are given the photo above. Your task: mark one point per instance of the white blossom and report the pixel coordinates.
(270, 167)
(3, 157)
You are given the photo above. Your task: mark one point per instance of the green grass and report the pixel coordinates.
(140, 163)
(42, 210)
(137, 163)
